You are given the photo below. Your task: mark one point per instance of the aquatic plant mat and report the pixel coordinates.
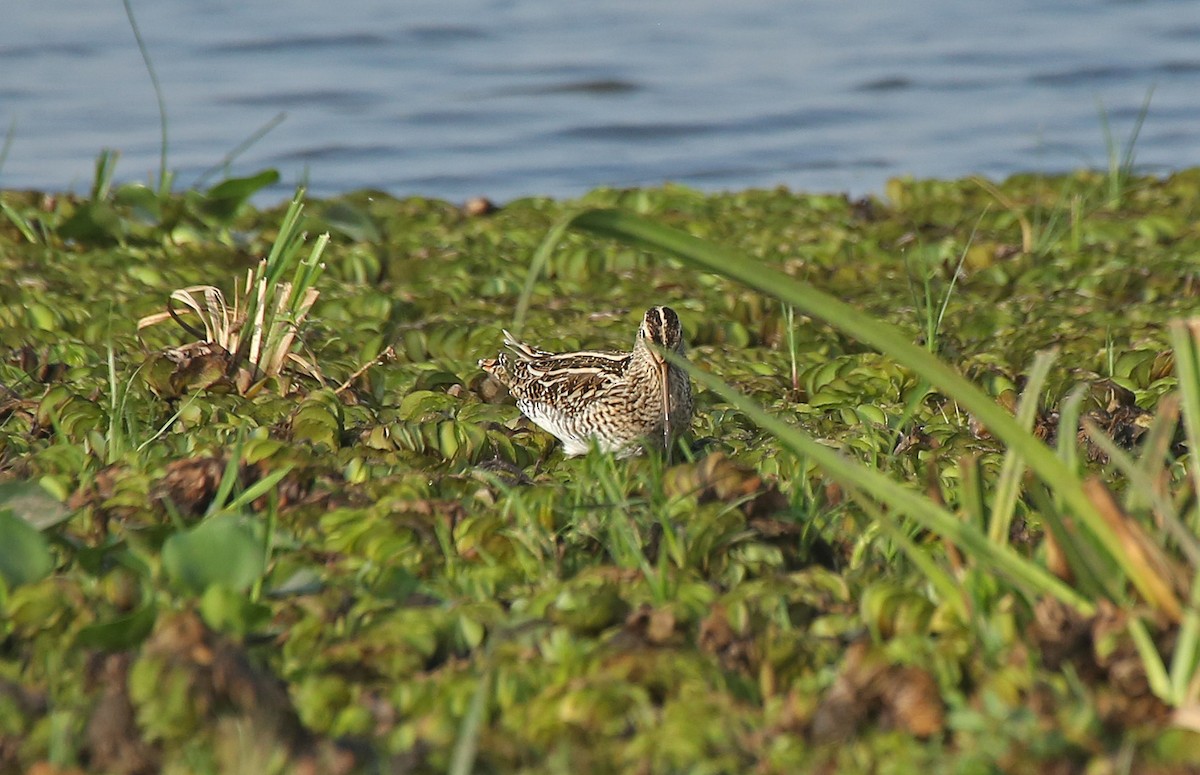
(287, 525)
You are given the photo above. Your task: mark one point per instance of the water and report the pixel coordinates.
(508, 98)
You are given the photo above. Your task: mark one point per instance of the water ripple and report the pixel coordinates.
(329, 98)
(891, 83)
(1083, 75)
(628, 132)
(597, 86)
(301, 43)
(340, 153)
(78, 50)
(447, 33)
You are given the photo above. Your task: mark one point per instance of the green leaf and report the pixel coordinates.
(303, 581)
(229, 611)
(121, 633)
(142, 200)
(223, 201)
(33, 504)
(94, 222)
(220, 550)
(352, 222)
(24, 552)
(319, 420)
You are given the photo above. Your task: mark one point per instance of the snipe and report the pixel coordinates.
(616, 399)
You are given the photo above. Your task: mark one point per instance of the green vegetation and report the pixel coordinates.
(937, 512)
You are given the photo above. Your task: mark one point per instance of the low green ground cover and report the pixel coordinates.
(369, 562)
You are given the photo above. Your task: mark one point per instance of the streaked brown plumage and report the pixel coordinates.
(616, 399)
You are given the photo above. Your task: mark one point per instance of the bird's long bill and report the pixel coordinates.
(664, 372)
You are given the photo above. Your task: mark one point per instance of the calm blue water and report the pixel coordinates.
(507, 98)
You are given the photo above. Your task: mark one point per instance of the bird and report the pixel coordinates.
(616, 400)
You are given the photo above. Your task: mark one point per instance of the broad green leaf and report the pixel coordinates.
(351, 221)
(33, 504)
(93, 222)
(219, 550)
(144, 201)
(229, 611)
(224, 200)
(24, 552)
(121, 633)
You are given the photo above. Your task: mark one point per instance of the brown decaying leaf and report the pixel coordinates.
(902, 697)
(916, 438)
(737, 653)
(1124, 697)
(201, 366)
(1060, 632)
(651, 626)
(1162, 576)
(192, 483)
(47, 768)
(489, 389)
(35, 362)
(1056, 558)
(1187, 717)
(1101, 651)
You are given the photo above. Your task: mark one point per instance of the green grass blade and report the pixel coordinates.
(284, 245)
(229, 478)
(258, 489)
(971, 498)
(309, 270)
(8, 140)
(239, 149)
(1186, 657)
(1127, 154)
(164, 177)
(106, 167)
(1068, 427)
(23, 225)
(962, 259)
(1156, 671)
(1008, 486)
(117, 440)
(789, 320)
(1187, 367)
(537, 265)
(462, 758)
